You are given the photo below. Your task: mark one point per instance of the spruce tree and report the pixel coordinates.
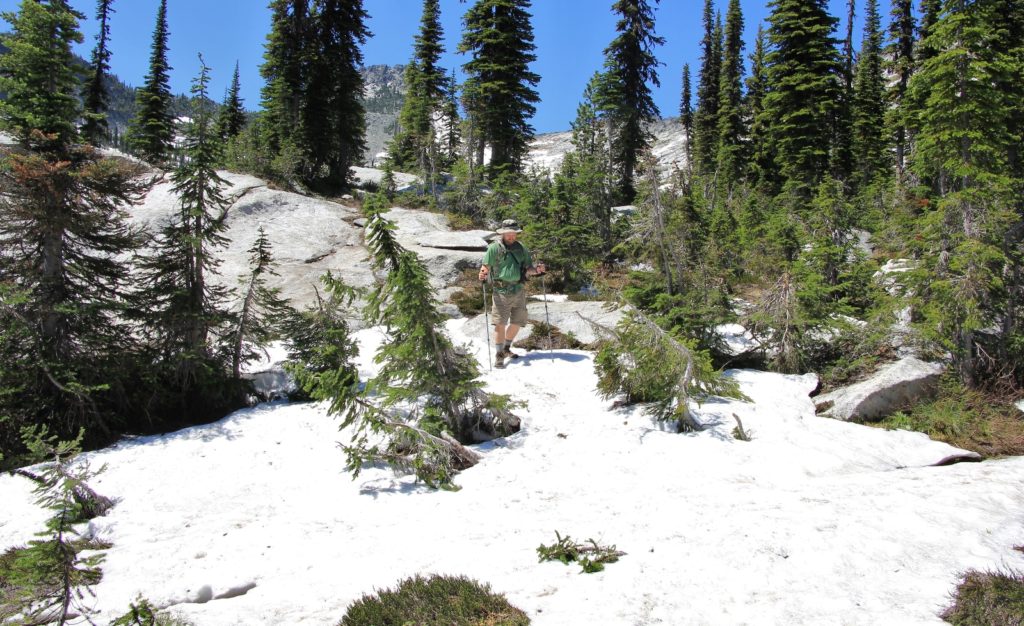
(630, 68)
(284, 71)
(803, 73)
(760, 152)
(37, 74)
(841, 158)
(870, 144)
(686, 115)
(900, 62)
(151, 132)
(963, 142)
(183, 306)
(65, 237)
(452, 122)
(705, 121)
(500, 88)
(94, 93)
(414, 147)
(420, 368)
(263, 310)
(333, 121)
(231, 119)
(731, 132)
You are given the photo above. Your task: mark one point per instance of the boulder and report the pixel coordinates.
(569, 317)
(373, 176)
(894, 387)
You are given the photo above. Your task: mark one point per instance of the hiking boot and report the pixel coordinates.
(499, 361)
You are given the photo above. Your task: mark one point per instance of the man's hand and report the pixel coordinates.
(539, 269)
(484, 271)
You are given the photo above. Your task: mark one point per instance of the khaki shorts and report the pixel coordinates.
(510, 307)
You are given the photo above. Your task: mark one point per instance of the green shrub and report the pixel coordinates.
(448, 600)
(142, 613)
(988, 599)
(985, 422)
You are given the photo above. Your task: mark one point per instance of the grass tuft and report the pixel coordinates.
(448, 600)
(988, 599)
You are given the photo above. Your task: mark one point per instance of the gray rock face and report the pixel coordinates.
(444, 252)
(668, 147)
(894, 387)
(309, 236)
(569, 317)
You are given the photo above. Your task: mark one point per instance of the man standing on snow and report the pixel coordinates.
(508, 263)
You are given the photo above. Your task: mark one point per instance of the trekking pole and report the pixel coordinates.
(547, 318)
(487, 325)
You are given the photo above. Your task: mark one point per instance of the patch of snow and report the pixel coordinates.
(814, 521)
(1020, 405)
(738, 340)
(551, 297)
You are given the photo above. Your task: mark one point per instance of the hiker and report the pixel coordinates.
(507, 262)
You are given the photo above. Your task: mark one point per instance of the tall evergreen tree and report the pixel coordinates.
(151, 132)
(426, 82)
(333, 122)
(284, 71)
(841, 158)
(705, 121)
(963, 142)
(686, 115)
(184, 305)
(803, 77)
(64, 233)
(900, 62)
(760, 157)
(94, 93)
(870, 144)
(37, 74)
(630, 69)
(500, 86)
(231, 118)
(731, 132)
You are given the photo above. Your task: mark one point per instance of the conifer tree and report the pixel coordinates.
(426, 84)
(333, 122)
(94, 93)
(803, 74)
(420, 368)
(705, 121)
(630, 68)
(231, 118)
(841, 157)
(901, 63)
(37, 75)
(760, 151)
(870, 145)
(963, 141)
(284, 71)
(453, 124)
(500, 88)
(151, 132)
(730, 96)
(184, 305)
(686, 115)
(263, 310)
(64, 233)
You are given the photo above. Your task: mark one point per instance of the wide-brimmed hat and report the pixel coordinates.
(509, 226)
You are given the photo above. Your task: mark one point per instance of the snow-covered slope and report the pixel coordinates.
(252, 521)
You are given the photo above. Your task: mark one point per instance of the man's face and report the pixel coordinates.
(508, 238)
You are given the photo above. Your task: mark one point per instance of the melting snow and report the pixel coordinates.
(251, 520)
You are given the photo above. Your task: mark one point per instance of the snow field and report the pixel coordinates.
(251, 520)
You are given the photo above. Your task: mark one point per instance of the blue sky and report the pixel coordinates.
(570, 37)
